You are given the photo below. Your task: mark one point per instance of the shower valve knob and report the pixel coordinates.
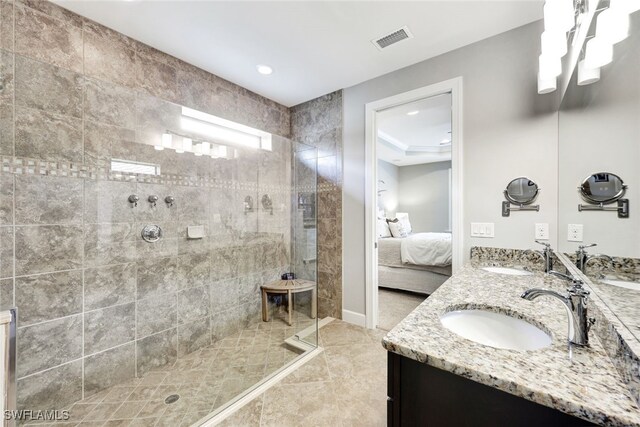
(133, 199)
(170, 200)
(153, 200)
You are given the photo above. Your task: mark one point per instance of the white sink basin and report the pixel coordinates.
(507, 270)
(495, 329)
(622, 284)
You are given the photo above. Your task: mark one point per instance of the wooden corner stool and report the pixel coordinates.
(288, 287)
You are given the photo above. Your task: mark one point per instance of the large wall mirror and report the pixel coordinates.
(599, 134)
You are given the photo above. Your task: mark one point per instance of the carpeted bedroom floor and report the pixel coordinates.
(394, 305)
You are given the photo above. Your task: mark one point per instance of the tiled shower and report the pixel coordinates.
(98, 305)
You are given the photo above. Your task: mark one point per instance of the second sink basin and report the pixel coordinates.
(495, 329)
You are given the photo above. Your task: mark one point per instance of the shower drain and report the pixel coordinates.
(172, 399)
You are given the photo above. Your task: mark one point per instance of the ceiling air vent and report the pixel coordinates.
(393, 38)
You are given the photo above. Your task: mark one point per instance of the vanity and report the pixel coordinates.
(438, 377)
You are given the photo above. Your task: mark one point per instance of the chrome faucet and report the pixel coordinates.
(576, 304)
(546, 254)
(583, 257)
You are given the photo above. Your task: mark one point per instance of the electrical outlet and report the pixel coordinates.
(575, 232)
(542, 231)
(482, 229)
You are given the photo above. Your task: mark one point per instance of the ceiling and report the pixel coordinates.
(314, 47)
(415, 133)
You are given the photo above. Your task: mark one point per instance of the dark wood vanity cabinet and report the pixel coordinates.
(421, 395)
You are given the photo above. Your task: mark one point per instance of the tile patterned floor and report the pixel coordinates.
(395, 305)
(205, 380)
(345, 385)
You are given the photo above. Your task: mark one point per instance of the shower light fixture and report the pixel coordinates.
(224, 131)
(187, 144)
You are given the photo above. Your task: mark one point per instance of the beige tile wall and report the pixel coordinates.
(318, 123)
(97, 304)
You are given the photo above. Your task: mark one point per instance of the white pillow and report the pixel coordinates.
(383, 228)
(397, 229)
(403, 217)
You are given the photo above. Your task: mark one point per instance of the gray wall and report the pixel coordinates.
(509, 131)
(424, 195)
(599, 131)
(388, 201)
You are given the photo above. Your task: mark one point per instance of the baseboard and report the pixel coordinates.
(355, 318)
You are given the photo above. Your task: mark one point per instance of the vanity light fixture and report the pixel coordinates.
(613, 25)
(413, 113)
(546, 84)
(264, 69)
(562, 16)
(599, 53)
(587, 75)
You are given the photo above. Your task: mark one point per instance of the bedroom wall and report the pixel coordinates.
(504, 118)
(388, 201)
(423, 192)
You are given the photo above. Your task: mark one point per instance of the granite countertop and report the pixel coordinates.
(588, 386)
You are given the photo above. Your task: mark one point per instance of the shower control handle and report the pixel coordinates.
(133, 199)
(151, 233)
(170, 200)
(153, 200)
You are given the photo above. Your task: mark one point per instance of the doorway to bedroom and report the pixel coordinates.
(413, 171)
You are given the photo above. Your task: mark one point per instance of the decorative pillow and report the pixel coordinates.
(403, 217)
(383, 228)
(396, 227)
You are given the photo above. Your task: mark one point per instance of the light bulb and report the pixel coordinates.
(206, 148)
(559, 15)
(626, 6)
(554, 43)
(187, 144)
(613, 25)
(197, 150)
(167, 140)
(546, 84)
(550, 66)
(598, 54)
(586, 75)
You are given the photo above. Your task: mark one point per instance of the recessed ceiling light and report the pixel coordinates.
(264, 69)
(412, 113)
(445, 142)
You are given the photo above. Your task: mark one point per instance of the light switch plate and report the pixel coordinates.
(542, 231)
(482, 229)
(575, 232)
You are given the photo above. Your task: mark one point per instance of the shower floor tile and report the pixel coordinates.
(204, 381)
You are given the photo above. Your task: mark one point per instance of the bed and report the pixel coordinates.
(420, 262)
